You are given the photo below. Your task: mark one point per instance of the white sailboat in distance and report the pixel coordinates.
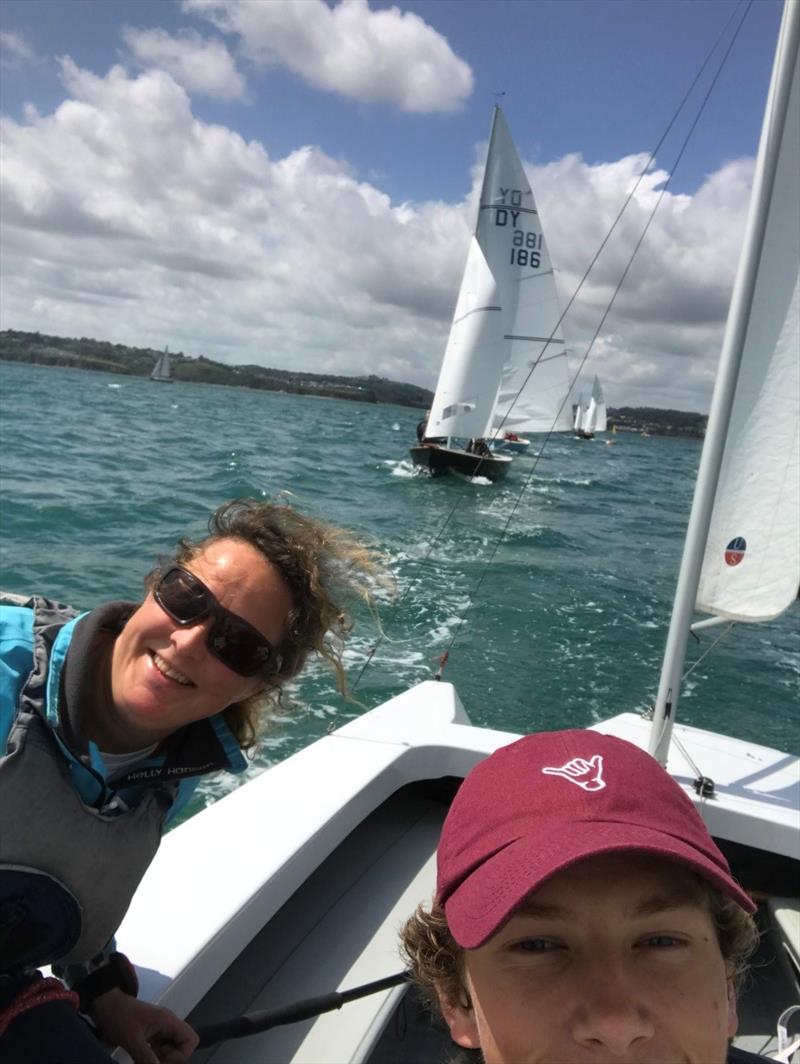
(162, 371)
(593, 417)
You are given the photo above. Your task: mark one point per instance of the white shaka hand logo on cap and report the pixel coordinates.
(587, 774)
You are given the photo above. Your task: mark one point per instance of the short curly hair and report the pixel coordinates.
(436, 961)
(324, 568)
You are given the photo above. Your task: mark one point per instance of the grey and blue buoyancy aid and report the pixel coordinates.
(73, 846)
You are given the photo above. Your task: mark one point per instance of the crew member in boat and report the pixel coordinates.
(428, 441)
(108, 720)
(582, 912)
(479, 446)
(421, 426)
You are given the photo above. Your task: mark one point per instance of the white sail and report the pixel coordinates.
(535, 379)
(506, 310)
(746, 502)
(468, 379)
(162, 371)
(579, 410)
(589, 416)
(593, 417)
(751, 566)
(596, 419)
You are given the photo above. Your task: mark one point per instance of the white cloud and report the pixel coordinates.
(127, 218)
(197, 63)
(661, 339)
(385, 56)
(15, 51)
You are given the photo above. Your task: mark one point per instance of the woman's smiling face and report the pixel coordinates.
(163, 676)
(613, 961)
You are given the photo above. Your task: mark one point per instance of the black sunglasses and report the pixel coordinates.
(231, 639)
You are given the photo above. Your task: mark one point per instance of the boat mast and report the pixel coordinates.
(725, 387)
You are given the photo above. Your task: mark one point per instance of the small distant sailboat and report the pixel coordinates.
(162, 371)
(504, 372)
(592, 418)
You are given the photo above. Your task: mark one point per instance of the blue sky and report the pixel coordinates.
(293, 183)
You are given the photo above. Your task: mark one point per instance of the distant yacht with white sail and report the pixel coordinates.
(591, 417)
(162, 371)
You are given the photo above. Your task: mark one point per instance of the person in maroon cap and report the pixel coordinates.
(582, 912)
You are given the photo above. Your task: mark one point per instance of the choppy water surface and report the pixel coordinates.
(102, 473)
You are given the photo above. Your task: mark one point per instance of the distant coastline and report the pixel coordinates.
(100, 355)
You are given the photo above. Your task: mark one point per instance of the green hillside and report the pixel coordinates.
(88, 354)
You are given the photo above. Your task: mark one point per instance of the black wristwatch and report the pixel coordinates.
(117, 973)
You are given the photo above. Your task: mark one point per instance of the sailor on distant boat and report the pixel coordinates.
(479, 446)
(422, 425)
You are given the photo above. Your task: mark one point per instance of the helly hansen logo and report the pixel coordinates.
(587, 774)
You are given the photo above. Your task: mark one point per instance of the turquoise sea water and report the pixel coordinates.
(102, 473)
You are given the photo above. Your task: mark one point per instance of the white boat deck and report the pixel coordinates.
(349, 917)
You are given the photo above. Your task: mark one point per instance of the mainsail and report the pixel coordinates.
(162, 371)
(506, 310)
(580, 410)
(535, 379)
(595, 418)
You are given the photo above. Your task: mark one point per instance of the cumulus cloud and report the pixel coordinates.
(197, 63)
(127, 218)
(15, 51)
(386, 56)
(661, 339)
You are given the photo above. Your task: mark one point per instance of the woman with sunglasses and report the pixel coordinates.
(107, 721)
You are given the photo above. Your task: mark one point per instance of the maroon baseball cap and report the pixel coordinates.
(547, 801)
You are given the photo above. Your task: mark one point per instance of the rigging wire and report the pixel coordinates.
(723, 635)
(526, 482)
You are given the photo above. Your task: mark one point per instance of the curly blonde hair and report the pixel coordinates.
(323, 566)
(436, 960)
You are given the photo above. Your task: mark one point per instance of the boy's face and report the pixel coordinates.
(613, 961)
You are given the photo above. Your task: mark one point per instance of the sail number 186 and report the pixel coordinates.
(526, 248)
